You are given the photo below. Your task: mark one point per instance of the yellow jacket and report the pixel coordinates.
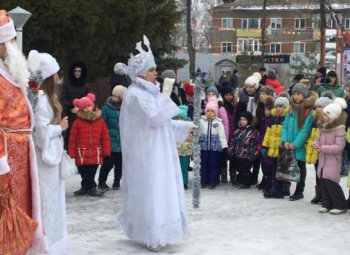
(272, 139)
(311, 153)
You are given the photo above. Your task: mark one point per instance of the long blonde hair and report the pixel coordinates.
(49, 87)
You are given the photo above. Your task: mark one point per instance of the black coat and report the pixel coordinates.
(234, 81)
(75, 88)
(263, 80)
(118, 79)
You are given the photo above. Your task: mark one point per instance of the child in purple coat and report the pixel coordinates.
(266, 165)
(230, 104)
(330, 144)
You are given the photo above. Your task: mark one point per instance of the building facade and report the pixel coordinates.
(292, 26)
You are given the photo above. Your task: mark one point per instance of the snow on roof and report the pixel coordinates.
(282, 5)
(291, 7)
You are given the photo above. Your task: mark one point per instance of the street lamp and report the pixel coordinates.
(19, 17)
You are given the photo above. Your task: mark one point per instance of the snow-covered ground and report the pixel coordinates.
(230, 221)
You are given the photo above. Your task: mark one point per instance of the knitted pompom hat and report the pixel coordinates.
(253, 81)
(119, 91)
(257, 74)
(212, 105)
(325, 99)
(335, 109)
(183, 112)
(282, 100)
(85, 101)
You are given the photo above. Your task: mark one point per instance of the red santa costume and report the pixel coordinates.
(21, 230)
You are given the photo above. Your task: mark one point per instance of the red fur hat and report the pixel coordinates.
(85, 101)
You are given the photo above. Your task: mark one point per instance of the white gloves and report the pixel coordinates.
(191, 126)
(168, 86)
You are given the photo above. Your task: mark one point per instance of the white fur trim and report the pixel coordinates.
(48, 65)
(4, 166)
(7, 32)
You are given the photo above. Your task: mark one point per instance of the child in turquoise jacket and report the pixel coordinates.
(296, 130)
(185, 149)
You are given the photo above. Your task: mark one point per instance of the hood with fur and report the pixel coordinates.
(335, 124)
(274, 112)
(74, 81)
(96, 114)
(308, 102)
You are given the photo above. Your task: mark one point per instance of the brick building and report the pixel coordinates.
(292, 25)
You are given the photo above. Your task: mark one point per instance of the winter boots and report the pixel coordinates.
(224, 175)
(116, 186)
(296, 196)
(318, 196)
(96, 193)
(82, 191)
(103, 186)
(337, 211)
(92, 192)
(286, 189)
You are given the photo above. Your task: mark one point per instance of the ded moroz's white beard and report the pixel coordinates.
(16, 64)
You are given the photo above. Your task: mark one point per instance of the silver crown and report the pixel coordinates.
(140, 63)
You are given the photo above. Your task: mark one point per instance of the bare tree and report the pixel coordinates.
(263, 33)
(191, 50)
(323, 32)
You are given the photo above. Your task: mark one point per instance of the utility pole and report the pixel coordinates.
(191, 50)
(263, 34)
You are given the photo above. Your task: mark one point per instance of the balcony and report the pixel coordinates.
(250, 33)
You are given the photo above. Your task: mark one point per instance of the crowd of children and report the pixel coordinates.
(244, 132)
(265, 118)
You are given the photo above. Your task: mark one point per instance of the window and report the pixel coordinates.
(347, 23)
(248, 45)
(300, 24)
(227, 23)
(250, 23)
(331, 23)
(299, 47)
(275, 48)
(226, 47)
(276, 23)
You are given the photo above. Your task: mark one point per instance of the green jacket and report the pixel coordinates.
(291, 132)
(337, 90)
(110, 113)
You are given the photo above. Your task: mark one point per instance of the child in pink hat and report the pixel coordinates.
(212, 141)
(89, 143)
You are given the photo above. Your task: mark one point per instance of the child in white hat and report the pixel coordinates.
(110, 114)
(330, 144)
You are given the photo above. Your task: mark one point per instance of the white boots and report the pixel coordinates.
(157, 249)
(333, 211)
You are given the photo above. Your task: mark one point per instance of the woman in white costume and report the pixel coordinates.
(153, 211)
(49, 149)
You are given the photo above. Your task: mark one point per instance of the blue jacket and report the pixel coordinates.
(110, 114)
(291, 132)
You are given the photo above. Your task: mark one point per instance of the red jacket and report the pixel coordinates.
(89, 139)
(276, 85)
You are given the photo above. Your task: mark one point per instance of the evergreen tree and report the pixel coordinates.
(99, 33)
